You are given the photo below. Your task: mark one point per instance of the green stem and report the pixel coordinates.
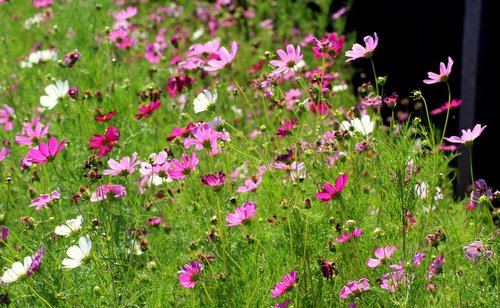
(447, 114)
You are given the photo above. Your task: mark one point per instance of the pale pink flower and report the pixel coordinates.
(382, 254)
(355, 288)
(225, 58)
(287, 282)
(253, 182)
(288, 60)
(125, 167)
(104, 191)
(208, 48)
(204, 137)
(359, 51)
(127, 13)
(444, 73)
(119, 36)
(45, 200)
(468, 136)
(242, 214)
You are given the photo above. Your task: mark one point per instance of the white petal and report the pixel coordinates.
(51, 90)
(70, 263)
(48, 101)
(74, 252)
(63, 230)
(9, 276)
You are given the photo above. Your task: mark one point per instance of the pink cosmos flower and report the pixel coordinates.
(45, 152)
(468, 136)
(208, 48)
(180, 170)
(242, 214)
(287, 282)
(105, 143)
(355, 288)
(204, 137)
(253, 182)
(154, 221)
(189, 275)
(347, 237)
(42, 3)
(214, 180)
(329, 192)
(444, 73)
(7, 117)
(125, 167)
(45, 200)
(455, 103)
(289, 60)
(153, 53)
(119, 36)
(225, 58)
(181, 132)
(36, 260)
(127, 13)
(105, 117)
(382, 254)
(287, 128)
(146, 111)
(409, 220)
(476, 251)
(283, 305)
(33, 135)
(104, 191)
(4, 152)
(359, 51)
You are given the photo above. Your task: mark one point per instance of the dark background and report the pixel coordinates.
(414, 37)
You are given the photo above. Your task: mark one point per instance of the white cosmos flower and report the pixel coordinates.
(17, 271)
(54, 93)
(136, 248)
(365, 126)
(71, 226)
(204, 101)
(78, 254)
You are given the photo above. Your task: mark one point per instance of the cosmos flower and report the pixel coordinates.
(468, 136)
(78, 254)
(355, 288)
(476, 251)
(364, 125)
(189, 275)
(45, 152)
(45, 200)
(444, 73)
(105, 143)
(55, 92)
(71, 226)
(17, 271)
(225, 58)
(382, 255)
(288, 60)
(205, 101)
(329, 191)
(104, 191)
(359, 51)
(7, 116)
(4, 152)
(242, 214)
(287, 283)
(125, 167)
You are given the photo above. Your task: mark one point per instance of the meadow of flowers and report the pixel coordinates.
(217, 153)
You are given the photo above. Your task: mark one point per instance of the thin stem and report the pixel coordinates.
(447, 113)
(470, 163)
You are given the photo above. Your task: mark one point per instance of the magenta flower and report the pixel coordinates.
(330, 191)
(154, 221)
(287, 128)
(476, 251)
(214, 180)
(104, 191)
(287, 282)
(355, 288)
(359, 51)
(105, 143)
(329, 269)
(468, 136)
(125, 167)
(283, 305)
(33, 134)
(189, 275)
(252, 183)
(242, 214)
(7, 117)
(4, 152)
(36, 260)
(435, 267)
(382, 255)
(444, 73)
(347, 237)
(147, 111)
(45, 200)
(289, 60)
(45, 152)
(225, 58)
(181, 132)
(180, 170)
